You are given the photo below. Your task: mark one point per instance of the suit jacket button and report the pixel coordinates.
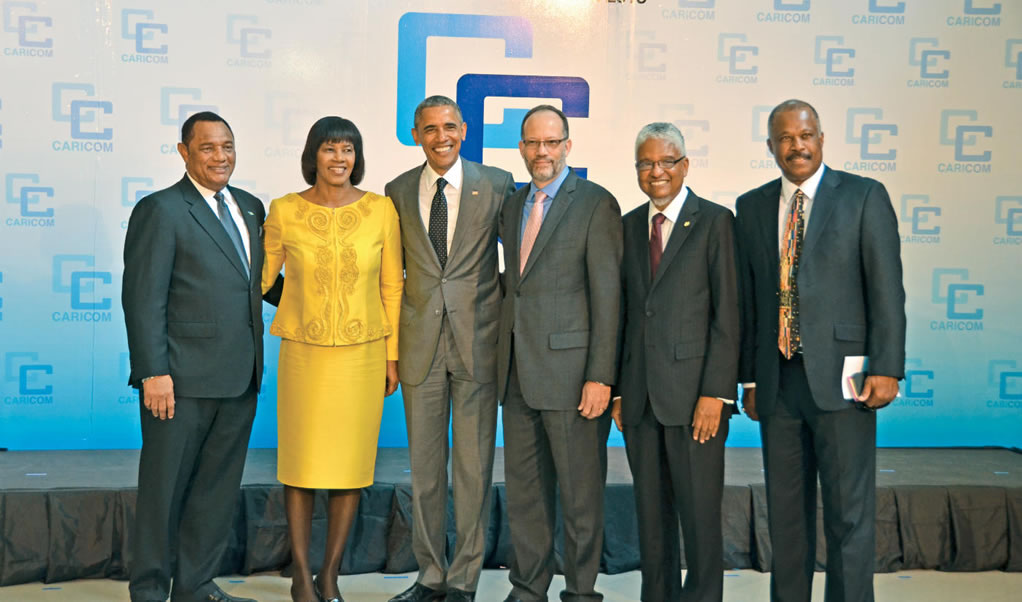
(436, 312)
(443, 281)
(649, 313)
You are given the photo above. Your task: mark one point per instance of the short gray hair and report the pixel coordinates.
(436, 101)
(661, 130)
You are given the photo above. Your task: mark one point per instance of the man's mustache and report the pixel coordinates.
(798, 155)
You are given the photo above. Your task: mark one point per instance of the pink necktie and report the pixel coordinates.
(532, 228)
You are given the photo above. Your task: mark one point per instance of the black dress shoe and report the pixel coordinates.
(418, 593)
(457, 595)
(322, 598)
(219, 595)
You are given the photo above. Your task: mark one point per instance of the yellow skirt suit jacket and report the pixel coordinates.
(338, 318)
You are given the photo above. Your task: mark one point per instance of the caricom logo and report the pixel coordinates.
(173, 112)
(697, 129)
(918, 382)
(21, 18)
(734, 49)
(1013, 56)
(241, 32)
(832, 52)
(1008, 211)
(473, 89)
(291, 120)
(81, 110)
(964, 135)
(137, 24)
(648, 53)
(916, 209)
(133, 189)
(23, 189)
(1004, 375)
(881, 7)
(926, 54)
(869, 133)
(79, 281)
(951, 288)
(24, 368)
(972, 9)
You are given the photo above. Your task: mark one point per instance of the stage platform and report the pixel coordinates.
(65, 515)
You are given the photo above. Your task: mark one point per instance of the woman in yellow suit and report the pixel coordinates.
(338, 318)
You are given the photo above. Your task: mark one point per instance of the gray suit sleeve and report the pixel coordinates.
(604, 247)
(882, 279)
(149, 248)
(720, 370)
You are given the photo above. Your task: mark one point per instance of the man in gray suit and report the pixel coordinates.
(193, 311)
(449, 209)
(679, 369)
(820, 275)
(556, 354)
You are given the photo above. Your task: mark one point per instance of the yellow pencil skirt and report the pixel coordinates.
(329, 405)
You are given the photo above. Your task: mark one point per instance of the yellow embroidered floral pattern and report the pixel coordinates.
(343, 270)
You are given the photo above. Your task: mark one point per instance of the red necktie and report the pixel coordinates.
(656, 243)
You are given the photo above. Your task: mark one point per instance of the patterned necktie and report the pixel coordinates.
(788, 339)
(532, 228)
(232, 229)
(438, 222)
(656, 243)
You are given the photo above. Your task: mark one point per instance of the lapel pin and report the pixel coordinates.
(475, 193)
(250, 213)
(687, 224)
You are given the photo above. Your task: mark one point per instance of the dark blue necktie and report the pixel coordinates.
(231, 228)
(438, 222)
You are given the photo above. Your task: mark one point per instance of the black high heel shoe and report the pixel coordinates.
(315, 586)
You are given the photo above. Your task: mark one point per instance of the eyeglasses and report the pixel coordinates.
(535, 144)
(664, 164)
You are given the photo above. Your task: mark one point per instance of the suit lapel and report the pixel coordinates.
(417, 229)
(561, 204)
(823, 206)
(770, 206)
(638, 230)
(468, 206)
(211, 224)
(254, 238)
(513, 250)
(679, 232)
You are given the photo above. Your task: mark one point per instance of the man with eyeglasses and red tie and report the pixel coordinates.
(679, 367)
(556, 359)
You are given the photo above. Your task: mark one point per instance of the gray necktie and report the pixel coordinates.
(231, 228)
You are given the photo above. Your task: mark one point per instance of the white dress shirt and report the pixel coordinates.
(427, 188)
(788, 190)
(235, 211)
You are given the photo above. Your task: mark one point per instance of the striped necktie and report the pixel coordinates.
(788, 340)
